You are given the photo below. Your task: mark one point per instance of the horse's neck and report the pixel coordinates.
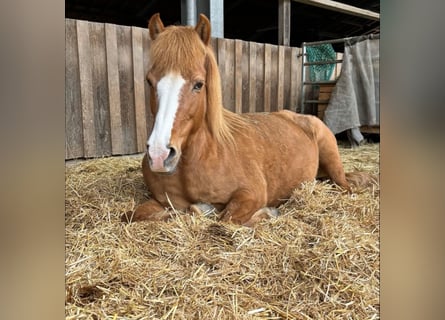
(208, 141)
(202, 145)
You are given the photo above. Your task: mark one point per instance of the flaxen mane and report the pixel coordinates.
(221, 121)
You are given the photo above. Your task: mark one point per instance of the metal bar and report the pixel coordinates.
(214, 10)
(217, 18)
(323, 62)
(303, 75)
(320, 82)
(188, 12)
(191, 13)
(311, 44)
(316, 101)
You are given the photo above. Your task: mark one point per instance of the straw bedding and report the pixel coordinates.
(318, 260)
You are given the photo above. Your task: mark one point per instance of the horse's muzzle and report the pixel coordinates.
(164, 162)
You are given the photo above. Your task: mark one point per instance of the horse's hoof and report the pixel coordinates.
(263, 213)
(204, 209)
(273, 212)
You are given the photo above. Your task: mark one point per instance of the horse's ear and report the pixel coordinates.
(155, 26)
(203, 29)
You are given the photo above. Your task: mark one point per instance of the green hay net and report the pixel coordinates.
(321, 52)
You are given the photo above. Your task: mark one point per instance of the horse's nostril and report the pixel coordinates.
(172, 153)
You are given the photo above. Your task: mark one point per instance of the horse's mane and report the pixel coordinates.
(182, 50)
(222, 122)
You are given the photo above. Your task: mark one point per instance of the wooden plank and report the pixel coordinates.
(125, 65)
(117, 144)
(337, 69)
(226, 63)
(73, 108)
(370, 129)
(100, 92)
(284, 13)
(139, 90)
(245, 73)
(229, 83)
(86, 88)
(259, 83)
(267, 76)
(341, 7)
(252, 76)
(221, 45)
(324, 94)
(146, 42)
(327, 88)
(214, 45)
(295, 79)
(281, 72)
(273, 78)
(321, 108)
(238, 76)
(287, 77)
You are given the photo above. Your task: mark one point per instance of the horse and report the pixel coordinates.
(198, 152)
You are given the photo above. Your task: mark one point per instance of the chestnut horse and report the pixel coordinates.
(199, 152)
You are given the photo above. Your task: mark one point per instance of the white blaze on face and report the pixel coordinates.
(168, 90)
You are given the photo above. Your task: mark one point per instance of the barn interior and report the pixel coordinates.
(320, 259)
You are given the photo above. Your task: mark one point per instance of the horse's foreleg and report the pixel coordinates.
(242, 207)
(150, 210)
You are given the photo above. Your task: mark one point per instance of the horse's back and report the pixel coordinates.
(287, 124)
(314, 128)
(283, 127)
(310, 124)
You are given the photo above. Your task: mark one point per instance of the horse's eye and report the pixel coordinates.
(149, 83)
(198, 86)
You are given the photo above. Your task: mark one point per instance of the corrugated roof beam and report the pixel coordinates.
(341, 7)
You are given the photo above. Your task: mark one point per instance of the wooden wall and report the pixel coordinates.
(107, 110)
